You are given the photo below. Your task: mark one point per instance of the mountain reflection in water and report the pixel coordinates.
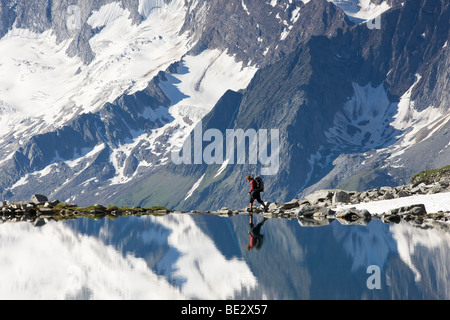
(184, 256)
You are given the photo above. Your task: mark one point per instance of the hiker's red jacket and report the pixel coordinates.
(252, 240)
(252, 185)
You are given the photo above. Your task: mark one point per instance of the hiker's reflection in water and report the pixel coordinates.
(256, 238)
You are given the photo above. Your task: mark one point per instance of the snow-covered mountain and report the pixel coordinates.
(62, 85)
(95, 96)
(83, 266)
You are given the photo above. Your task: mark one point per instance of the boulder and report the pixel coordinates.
(373, 194)
(274, 206)
(314, 211)
(403, 193)
(319, 196)
(340, 196)
(388, 196)
(419, 189)
(353, 214)
(436, 188)
(415, 210)
(290, 205)
(223, 211)
(52, 203)
(323, 212)
(38, 199)
(387, 218)
(386, 189)
(306, 211)
(407, 213)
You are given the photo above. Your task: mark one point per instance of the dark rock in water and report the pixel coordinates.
(391, 218)
(314, 211)
(407, 213)
(38, 199)
(307, 211)
(353, 214)
(415, 209)
(313, 222)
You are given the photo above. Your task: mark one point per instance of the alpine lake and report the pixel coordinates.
(202, 256)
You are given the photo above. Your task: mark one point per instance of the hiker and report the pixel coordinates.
(255, 194)
(256, 238)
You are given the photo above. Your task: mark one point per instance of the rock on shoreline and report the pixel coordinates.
(323, 204)
(318, 208)
(40, 208)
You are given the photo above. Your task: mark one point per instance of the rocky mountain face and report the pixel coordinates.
(349, 111)
(355, 107)
(261, 32)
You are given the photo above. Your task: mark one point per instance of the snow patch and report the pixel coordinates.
(44, 83)
(365, 120)
(295, 15)
(222, 168)
(193, 90)
(107, 15)
(433, 203)
(194, 187)
(285, 33)
(147, 6)
(86, 153)
(418, 125)
(81, 159)
(361, 9)
(197, 86)
(245, 8)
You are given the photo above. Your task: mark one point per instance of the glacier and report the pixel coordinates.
(50, 89)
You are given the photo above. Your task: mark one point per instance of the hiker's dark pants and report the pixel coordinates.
(255, 195)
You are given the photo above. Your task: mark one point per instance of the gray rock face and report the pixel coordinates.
(302, 93)
(112, 125)
(253, 33)
(38, 199)
(340, 197)
(66, 18)
(308, 70)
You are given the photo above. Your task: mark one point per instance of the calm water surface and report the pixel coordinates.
(205, 257)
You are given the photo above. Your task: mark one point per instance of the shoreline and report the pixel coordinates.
(389, 211)
(415, 201)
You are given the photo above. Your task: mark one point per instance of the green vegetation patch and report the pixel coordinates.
(432, 175)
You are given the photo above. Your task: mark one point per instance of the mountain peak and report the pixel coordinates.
(102, 92)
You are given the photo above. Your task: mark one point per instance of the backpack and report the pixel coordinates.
(259, 241)
(259, 184)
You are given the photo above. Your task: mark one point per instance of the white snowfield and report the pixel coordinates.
(44, 83)
(433, 203)
(45, 88)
